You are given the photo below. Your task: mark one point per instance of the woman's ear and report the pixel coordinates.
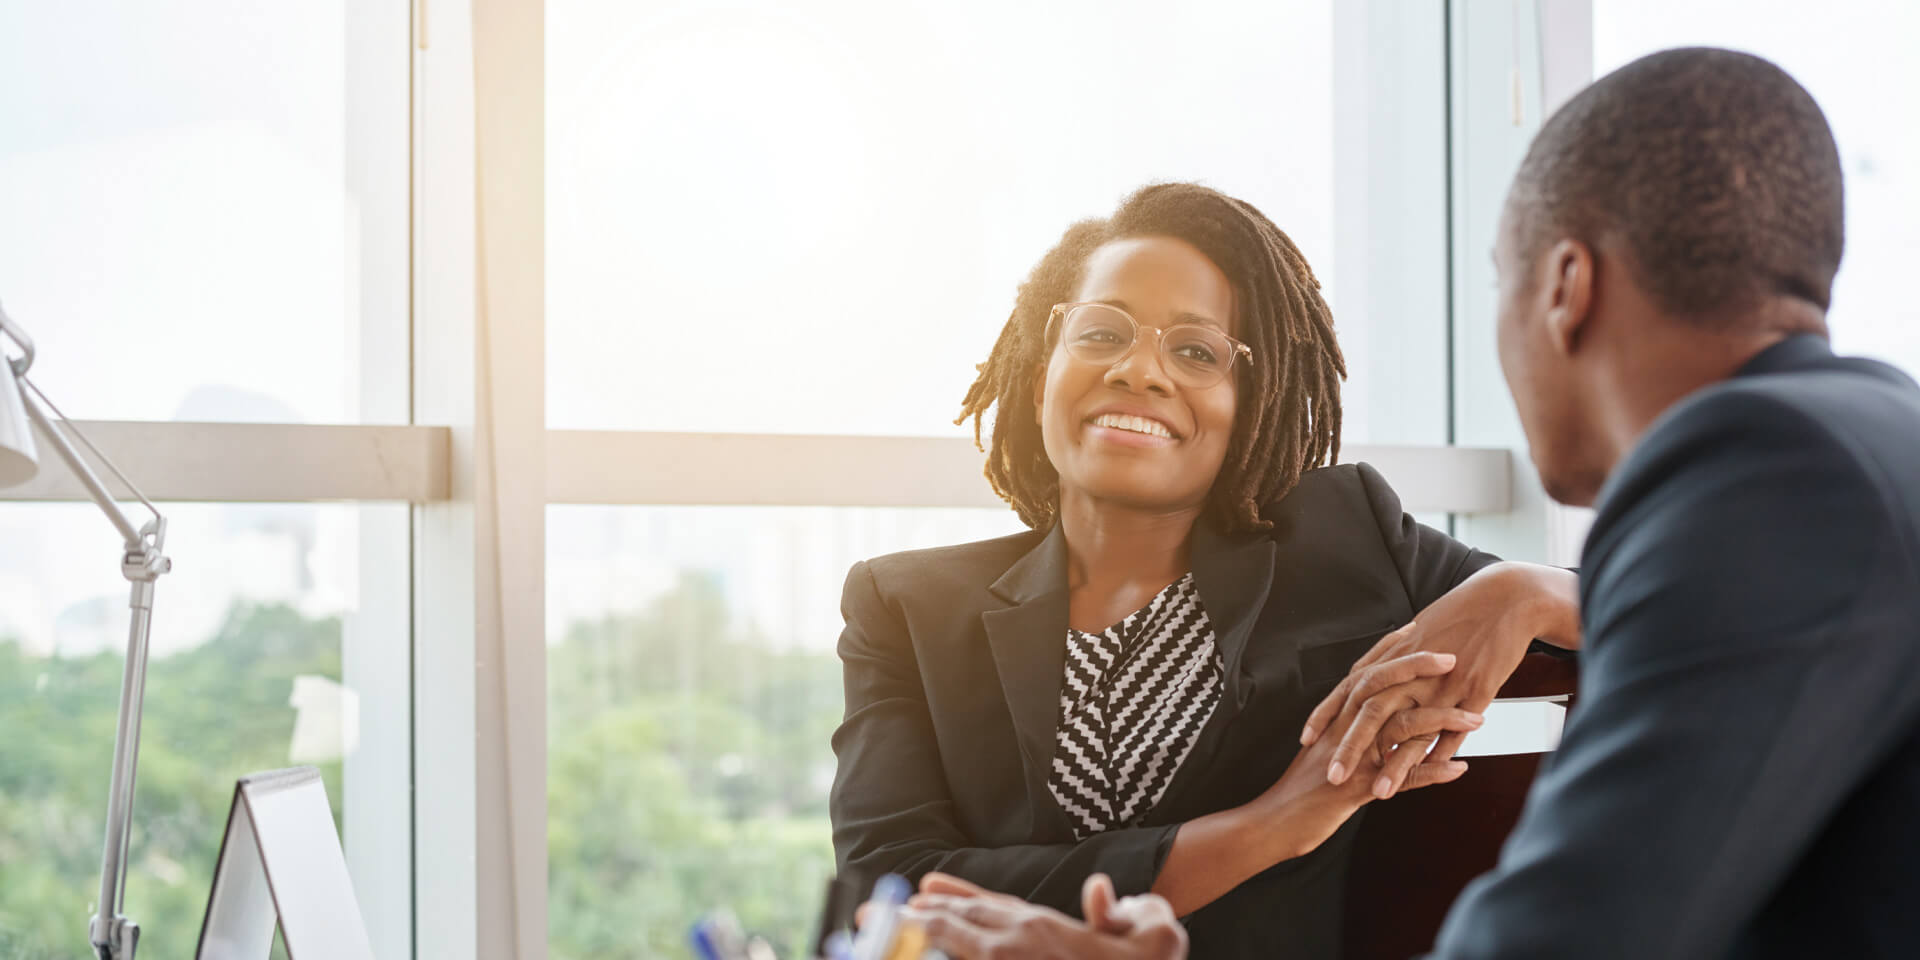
(1039, 390)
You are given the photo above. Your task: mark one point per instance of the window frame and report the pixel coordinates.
(479, 466)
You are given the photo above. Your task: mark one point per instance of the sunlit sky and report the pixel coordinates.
(762, 217)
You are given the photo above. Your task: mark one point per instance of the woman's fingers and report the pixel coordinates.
(1388, 646)
(1362, 732)
(1412, 733)
(1428, 774)
(1428, 724)
(1364, 683)
(1378, 691)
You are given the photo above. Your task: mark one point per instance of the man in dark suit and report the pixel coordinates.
(1742, 774)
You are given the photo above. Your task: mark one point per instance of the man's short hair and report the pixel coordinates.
(1714, 169)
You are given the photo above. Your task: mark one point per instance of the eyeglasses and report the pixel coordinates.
(1195, 355)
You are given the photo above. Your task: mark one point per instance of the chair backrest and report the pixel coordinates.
(1416, 852)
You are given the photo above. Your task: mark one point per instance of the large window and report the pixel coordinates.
(785, 218)
(206, 219)
(247, 674)
(692, 688)
(1856, 59)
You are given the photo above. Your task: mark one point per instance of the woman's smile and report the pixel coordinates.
(1128, 428)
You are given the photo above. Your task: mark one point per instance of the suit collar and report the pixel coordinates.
(1794, 353)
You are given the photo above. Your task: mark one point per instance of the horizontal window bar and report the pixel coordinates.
(615, 467)
(256, 462)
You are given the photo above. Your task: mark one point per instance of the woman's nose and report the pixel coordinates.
(1139, 368)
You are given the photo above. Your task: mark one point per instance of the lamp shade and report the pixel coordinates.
(17, 463)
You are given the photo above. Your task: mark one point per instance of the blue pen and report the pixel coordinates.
(703, 948)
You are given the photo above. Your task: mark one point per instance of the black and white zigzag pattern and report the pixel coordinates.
(1134, 700)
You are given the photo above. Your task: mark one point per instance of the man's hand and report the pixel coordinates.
(1487, 622)
(970, 923)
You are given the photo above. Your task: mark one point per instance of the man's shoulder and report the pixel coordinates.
(1813, 474)
(1859, 424)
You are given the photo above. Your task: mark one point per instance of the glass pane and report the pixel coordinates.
(206, 206)
(256, 636)
(692, 689)
(837, 200)
(1856, 59)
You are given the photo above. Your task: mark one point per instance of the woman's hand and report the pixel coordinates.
(967, 922)
(1309, 807)
(1487, 621)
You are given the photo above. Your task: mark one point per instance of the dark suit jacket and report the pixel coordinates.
(1742, 776)
(954, 658)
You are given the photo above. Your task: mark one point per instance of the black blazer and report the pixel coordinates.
(954, 659)
(1742, 775)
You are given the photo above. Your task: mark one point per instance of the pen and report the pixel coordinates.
(876, 939)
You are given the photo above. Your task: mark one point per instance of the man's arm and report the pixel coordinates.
(1742, 676)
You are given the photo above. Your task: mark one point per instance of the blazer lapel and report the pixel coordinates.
(1234, 573)
(1029, 644)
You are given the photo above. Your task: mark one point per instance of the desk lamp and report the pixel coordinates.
(114, 935)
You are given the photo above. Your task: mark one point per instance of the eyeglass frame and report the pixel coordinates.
(1060, 310)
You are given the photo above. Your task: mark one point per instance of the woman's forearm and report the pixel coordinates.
(1213, 854)
(1550, 598)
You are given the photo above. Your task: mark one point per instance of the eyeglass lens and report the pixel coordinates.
(1194, 355)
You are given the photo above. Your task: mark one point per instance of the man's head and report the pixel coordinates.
(1672, 219)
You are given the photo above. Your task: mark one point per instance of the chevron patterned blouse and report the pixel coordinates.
(1134, 700)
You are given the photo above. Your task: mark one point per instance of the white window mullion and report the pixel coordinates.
(480, 654)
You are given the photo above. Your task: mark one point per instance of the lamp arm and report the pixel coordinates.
(19, 336)
(114, 936)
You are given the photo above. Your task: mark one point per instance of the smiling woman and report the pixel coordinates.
(1117, 689)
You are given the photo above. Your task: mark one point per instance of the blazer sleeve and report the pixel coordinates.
(892, 808)
(1430, 563)
(1748, 648)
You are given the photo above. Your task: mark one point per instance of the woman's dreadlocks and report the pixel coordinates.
(1288, 418)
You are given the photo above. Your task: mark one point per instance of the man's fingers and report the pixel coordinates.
(950, 934)
(991, 913)
(950, 885)
(1430, 773)
(1096, 904)
(1145, 910)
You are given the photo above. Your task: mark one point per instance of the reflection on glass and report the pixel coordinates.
(692, 691)
(246, 676)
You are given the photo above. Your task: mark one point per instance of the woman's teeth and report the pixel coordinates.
(1120, 421)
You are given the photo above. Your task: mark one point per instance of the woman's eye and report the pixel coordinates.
(1099, 336)
(1196, 352)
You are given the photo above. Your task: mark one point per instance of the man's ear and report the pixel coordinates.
(1568, 291)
